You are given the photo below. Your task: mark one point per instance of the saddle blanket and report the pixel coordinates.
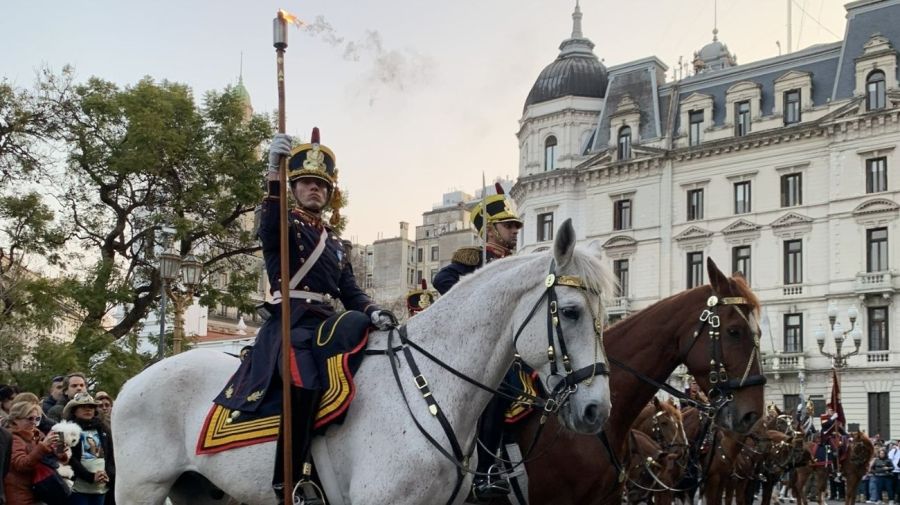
(338, 342)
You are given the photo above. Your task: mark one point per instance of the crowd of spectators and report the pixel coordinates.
(28, 439)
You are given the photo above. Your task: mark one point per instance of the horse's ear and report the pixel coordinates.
(656, 403)
(564, 244)
(595, 248)
(717, 279)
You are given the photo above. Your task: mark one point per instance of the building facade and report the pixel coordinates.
(393, 268)
(780, 169)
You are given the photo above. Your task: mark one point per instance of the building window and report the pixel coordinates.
(877, 247)
(793, 333)
(624, 152)
(876, 175)
(791, 190)
(620, 269)
(875, 97)
(793, 261)
(622, 215)
(550, 154)
(545, 227)
(789, 404)
(419, 276)
(742, 118)
(740, 261)
(696, 123)
(792, 106)
(420, 255)
(878, 329)
(434, 253)
(694, 204)
(694, 269)
(880, 415)
(742, 197)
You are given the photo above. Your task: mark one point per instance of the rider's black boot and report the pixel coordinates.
(490, 435)
(304, 404)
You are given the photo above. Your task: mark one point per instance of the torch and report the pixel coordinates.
(279, 37)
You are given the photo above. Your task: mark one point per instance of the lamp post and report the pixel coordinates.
(839, 358)
(171, 264)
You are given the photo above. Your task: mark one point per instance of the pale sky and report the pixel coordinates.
(416, 98)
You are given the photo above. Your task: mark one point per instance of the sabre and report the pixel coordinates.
(279, 40)
(483, 220)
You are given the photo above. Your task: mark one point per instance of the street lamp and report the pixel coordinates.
(838, 358)
(190, 268)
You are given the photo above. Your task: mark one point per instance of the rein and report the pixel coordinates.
(559, 394)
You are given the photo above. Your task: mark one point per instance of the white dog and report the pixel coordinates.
(70, 434)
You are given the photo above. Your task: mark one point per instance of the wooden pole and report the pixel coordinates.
(280, 42)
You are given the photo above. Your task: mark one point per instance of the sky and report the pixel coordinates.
(416, 98)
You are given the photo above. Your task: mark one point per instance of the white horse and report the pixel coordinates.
(378, 455)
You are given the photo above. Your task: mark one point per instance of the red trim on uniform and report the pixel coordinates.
(296, 379)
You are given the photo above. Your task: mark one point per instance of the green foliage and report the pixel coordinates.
(137, 159)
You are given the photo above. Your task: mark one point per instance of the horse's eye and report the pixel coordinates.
(734, 332)
(569, 313)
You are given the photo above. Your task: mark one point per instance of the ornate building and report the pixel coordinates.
(779, 168)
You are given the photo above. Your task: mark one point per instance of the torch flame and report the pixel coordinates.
(290, 18)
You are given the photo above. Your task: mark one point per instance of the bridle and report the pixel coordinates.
(560, 393)
(721, 390)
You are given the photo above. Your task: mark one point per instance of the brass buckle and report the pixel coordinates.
(420, 381)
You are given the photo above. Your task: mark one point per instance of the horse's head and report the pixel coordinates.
(724, 352)
(666, 425)
(564, 342)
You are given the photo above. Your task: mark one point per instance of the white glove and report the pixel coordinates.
(281, 146)
(384, 319)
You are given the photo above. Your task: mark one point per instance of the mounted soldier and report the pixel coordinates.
(831, 439)
(320, 273)
(420, 299)
(496, 221)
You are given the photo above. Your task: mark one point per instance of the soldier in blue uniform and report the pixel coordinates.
(420, 299)
(501, 225)
(320, 272)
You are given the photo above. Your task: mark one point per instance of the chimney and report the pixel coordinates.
(404, 230)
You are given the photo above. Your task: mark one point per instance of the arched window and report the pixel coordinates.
(875, 98)
(624, 143)
(550, 154)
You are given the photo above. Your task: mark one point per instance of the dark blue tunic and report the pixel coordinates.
(331, 275)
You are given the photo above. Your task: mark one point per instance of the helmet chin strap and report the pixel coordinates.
(497, 239)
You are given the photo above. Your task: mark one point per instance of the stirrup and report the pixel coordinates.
(306, 492)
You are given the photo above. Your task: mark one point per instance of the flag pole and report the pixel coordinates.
(279, 37)
(484, 223)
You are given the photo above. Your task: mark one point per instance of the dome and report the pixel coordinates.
(713, 56)
(575, 72)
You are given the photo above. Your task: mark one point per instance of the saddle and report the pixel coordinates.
(336, 350)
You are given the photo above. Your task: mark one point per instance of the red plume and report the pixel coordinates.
(424, 284)
(315, 135)
(499, 188)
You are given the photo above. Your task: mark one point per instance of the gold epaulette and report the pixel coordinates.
(469, 256)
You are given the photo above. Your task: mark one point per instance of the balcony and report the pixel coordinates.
(782, 363)
(878, 357)
(793, 290)
(875, 282)
(618, 307)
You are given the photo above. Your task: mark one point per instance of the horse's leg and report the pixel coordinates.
(768, 486)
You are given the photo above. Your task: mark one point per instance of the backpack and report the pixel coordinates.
(48, 486)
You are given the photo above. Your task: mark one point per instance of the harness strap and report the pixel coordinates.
(660, 385)
(457, 457)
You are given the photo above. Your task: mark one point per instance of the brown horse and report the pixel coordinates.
(853, 464)
(656, 464)
(653, 342)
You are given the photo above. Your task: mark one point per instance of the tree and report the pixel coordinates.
(137, 159)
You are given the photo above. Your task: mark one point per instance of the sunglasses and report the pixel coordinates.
(35, 419)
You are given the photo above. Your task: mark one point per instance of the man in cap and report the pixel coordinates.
(498, 225)
(495, 220)
(319, 273)
(418, 300)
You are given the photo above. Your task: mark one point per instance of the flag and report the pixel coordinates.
(836, 398)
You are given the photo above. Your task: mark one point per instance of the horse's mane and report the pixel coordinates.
(671, 410)
(743, 289)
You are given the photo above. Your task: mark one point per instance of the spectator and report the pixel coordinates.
(882, 473)
(894, 456)
(104, 405)
(92, 458)
(28, 447)
(5, 457)
(55, 394)
(46, 424)
(73, 384)
(7, 395)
